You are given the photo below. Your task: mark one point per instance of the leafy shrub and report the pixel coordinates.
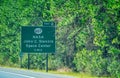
(92, 62)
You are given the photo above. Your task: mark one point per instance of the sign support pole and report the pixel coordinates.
(46, 62)
(20, 62)
(28, 61)
(21, 56)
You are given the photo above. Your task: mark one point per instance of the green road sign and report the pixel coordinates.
(49, 23)
(38, 39)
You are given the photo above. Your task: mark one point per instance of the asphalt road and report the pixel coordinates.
(18, 73)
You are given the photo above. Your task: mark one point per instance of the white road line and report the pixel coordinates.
(18, 74)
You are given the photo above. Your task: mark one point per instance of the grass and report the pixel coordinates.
(76, 75)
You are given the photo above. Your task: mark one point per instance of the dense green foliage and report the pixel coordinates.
(87, 34)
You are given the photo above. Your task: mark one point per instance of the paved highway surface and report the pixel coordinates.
(18, 73)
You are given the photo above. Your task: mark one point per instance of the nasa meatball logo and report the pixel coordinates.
(38, 30)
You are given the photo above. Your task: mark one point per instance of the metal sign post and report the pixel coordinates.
(21, 55)
(46, 62)
(28, 61)
(20, 62)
